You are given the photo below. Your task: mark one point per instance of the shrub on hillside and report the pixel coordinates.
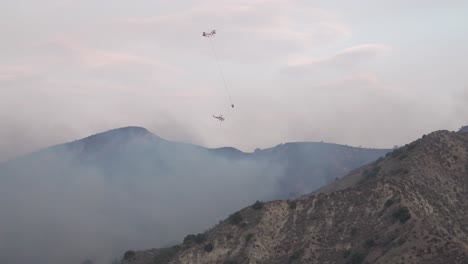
(412, 145)
(403, 214)
(235, 219)
(372, 173)
(165, 255)
(370, 243)
(199, 238)
(397, 152)
(356, 258)
(403, 156)
(189, 238)
(389, 202)
(401, 241)
(129, 254)
(346, 253)
(369, 174)
(257, 205)
(296, 255)
(292, 205)
(208, 247)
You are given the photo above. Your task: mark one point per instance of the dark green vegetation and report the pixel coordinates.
(389, 202)
(403, 156)
(402, 153)
(230, 262)
(129, 254)
(198, 239)
(236, 218)
(292, 205)
(402, 214)
(370, 174)
(208, 247)
(401, 241)
(165, 255)
(356, 258)
(257, 205)
(370, 243)
(296, 255)
(346, 253)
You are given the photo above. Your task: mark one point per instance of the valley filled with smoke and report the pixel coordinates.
(129, 189)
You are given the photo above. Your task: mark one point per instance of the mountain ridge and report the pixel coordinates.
(135, 132)
(409, 207)
(463, 129)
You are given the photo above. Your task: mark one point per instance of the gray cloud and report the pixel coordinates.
(73, 68)
(349, 57)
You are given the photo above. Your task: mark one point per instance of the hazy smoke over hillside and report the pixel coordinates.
(129, 189)
(58, 210)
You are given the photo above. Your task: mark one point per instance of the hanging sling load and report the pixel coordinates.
(210, 35)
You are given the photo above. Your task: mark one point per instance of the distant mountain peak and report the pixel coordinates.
(131, 129)
(112, 137)
(463, 129)
(127, 132)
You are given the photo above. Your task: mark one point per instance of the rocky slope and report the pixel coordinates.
(409, 207)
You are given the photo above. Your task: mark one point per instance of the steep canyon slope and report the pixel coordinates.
(409, 207)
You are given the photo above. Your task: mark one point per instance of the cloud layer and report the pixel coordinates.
(72, 68)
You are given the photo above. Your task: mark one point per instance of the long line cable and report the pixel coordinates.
(221, 71)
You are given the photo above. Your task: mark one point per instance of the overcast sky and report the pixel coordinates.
(370, 73)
